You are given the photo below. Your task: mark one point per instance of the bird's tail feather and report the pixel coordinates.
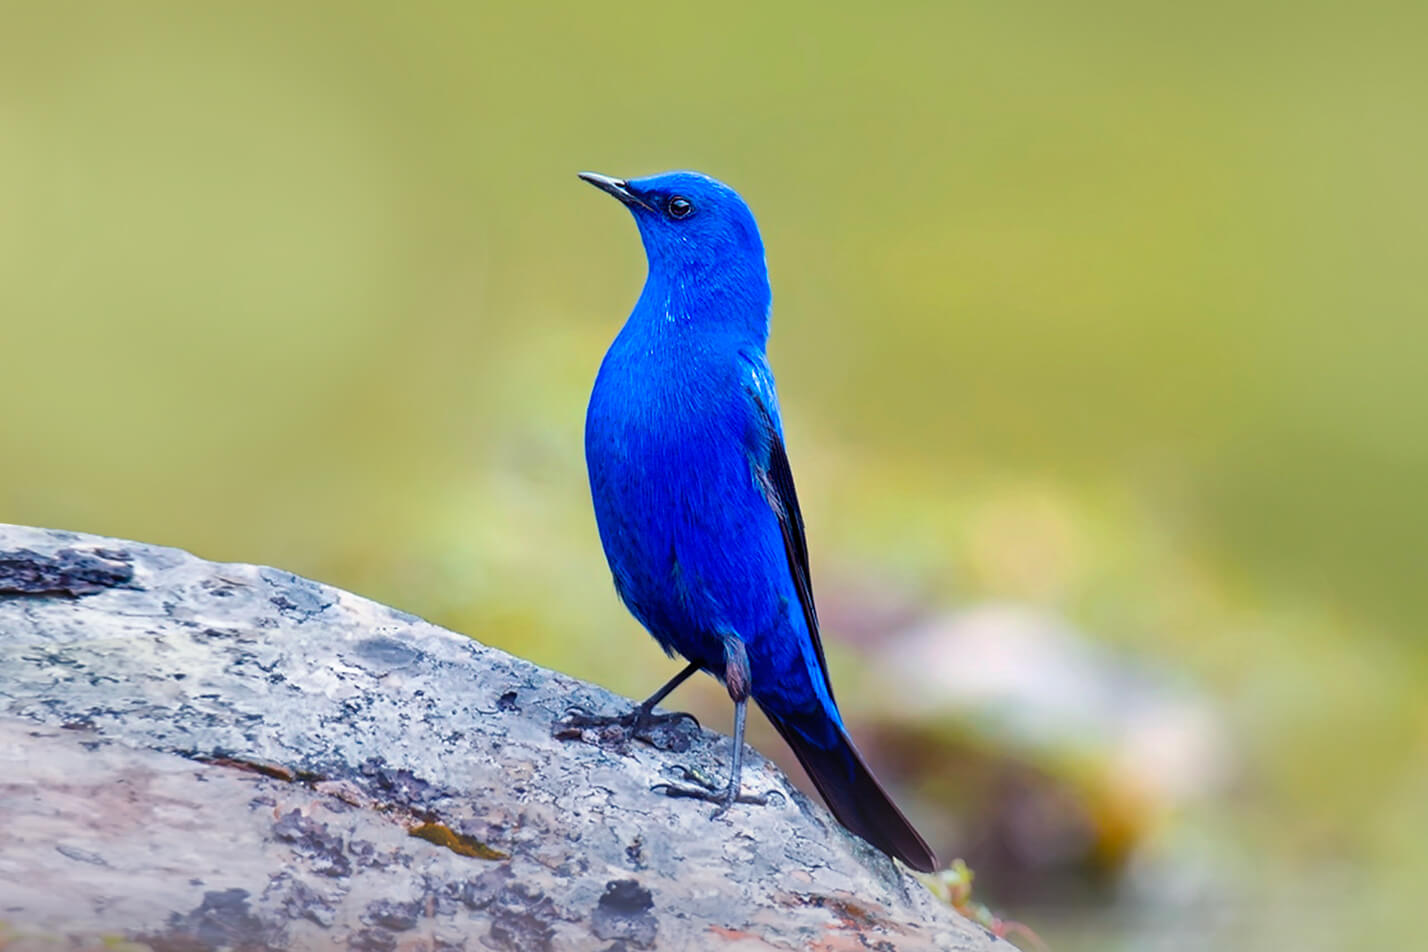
(855, 796)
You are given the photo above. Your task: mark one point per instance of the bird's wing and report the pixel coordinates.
(775, 478)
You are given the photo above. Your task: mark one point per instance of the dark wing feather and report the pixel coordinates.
(837, 770)
(776, 479)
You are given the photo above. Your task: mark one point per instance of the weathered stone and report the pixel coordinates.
(201, 756)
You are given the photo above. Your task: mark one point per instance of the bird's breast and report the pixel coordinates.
(688, 536)
(670, 436)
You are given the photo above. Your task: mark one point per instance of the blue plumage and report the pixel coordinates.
(693, 494)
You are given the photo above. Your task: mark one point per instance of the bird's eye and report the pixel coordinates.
(679, 207)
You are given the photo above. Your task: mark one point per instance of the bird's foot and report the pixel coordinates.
(636, 722)
(710, 791)
(661, 731)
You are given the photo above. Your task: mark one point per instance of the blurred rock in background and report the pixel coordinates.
(1052, 757)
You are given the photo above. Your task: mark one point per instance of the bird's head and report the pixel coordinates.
(694, 228)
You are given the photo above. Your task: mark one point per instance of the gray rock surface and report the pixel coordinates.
(200, 756)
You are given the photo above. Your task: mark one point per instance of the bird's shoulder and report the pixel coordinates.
(757, 380)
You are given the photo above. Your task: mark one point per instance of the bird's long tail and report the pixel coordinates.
(854, 794)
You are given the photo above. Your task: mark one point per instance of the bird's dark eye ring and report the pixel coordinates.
(679, 207)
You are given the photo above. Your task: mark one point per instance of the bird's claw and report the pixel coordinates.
(720, 797)
(707, 789)
(661, 731)
(644, 726)
(674, 717)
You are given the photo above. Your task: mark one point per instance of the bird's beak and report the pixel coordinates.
(616, 187)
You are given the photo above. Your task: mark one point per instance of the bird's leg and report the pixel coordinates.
(736, 679)
(638, 721)
(644, 714)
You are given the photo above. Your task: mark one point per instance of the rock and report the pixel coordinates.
(203, 756)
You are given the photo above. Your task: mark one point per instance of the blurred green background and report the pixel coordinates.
(1110, 311)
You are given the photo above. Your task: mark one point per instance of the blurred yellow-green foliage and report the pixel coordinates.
(1116, 309)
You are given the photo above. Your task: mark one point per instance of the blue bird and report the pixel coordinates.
(695, 502)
